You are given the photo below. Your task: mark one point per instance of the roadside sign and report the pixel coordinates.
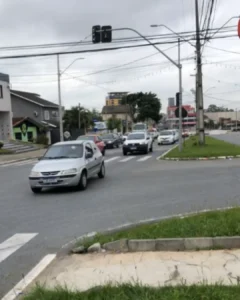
(184, 112)
(239, 28)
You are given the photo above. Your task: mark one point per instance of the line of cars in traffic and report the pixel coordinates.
(72, 163)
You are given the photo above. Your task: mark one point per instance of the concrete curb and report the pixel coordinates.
(8, 162)
(174, 244)
(197, 158)
(69, 246)
(165, 153)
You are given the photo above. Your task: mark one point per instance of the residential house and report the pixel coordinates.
(37, 112)
(5, 108)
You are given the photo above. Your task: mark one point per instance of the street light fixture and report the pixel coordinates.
(59, 74)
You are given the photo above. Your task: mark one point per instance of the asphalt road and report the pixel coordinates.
(58, 216)
(233, 137)
(132, 191)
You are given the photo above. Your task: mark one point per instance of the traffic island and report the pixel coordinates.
(147, 260)
(201, 231)
(212, 150)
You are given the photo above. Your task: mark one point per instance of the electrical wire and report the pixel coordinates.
(101, 49)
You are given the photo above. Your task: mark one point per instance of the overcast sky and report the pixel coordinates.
(28, 22)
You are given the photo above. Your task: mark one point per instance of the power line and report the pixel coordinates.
(224, 50)
(101, 49)
(128, 39)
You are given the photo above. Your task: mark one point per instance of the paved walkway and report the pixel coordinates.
(152, 268)
(21, 156)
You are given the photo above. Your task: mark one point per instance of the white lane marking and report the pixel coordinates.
(15, 242)
(111, 159)
(29, 278)
(127, 159)
(144, 158)
(20, 163)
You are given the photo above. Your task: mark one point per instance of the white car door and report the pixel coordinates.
(98, 159)
(90, 159)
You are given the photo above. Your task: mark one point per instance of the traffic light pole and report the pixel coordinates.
(178, 65)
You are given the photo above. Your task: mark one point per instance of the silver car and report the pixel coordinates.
(67, 164)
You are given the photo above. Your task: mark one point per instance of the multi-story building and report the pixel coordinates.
(5, 108)
(115, 98)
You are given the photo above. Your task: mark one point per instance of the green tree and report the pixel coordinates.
(143, 106)
(114, 123)
(215, 108)
(71, 118)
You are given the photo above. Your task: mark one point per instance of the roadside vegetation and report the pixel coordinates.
(133, 292)
(207, 224)
(212, 148)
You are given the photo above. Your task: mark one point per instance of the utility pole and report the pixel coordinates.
(59, 100)
(180, 94)
(236, 119)
(199, 90)
(79, 116)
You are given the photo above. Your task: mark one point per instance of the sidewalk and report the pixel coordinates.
(21, 156)
(150, 268)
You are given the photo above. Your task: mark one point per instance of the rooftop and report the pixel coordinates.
(33, 97)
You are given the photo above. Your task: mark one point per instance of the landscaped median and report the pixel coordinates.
(209, 230)
(177, 275)
(213, 149)
(138, 292)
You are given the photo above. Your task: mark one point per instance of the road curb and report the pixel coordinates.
(198, 158)
(69, 246)
(165, 153)
(174, 244)
(17, 160)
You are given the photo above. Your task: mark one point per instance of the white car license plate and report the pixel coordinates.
(133, 148)
(50, 180)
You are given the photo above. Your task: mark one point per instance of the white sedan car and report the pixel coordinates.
(166, 137)
(138, 142)
(67, 164)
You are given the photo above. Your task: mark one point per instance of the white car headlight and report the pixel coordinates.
(144, 142)
(69, 172)
(35, 174)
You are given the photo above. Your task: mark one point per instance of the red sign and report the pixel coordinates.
(190, 110)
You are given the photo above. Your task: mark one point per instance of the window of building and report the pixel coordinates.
(30, 136)
(18, 136)
(55, 113)
(1, 91)
(46, 115)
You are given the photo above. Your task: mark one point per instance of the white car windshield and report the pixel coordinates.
(139, 127)
(64, 151)
(136, 136)
(164, 133)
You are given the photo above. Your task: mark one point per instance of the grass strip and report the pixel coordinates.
(212, 148)
(207, 224)
(133, 292)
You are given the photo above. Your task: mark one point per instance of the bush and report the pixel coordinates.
(1, 144)
(42, 139)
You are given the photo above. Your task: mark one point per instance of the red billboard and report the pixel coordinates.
(190, 110)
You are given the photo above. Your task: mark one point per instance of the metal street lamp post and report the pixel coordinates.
(59, 74)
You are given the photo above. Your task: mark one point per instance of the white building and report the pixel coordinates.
(6, 131)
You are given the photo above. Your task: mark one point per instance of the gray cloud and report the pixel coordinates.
(42, 21)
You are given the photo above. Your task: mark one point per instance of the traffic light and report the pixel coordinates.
(177, 99)
(106, 34)
(96, 34)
